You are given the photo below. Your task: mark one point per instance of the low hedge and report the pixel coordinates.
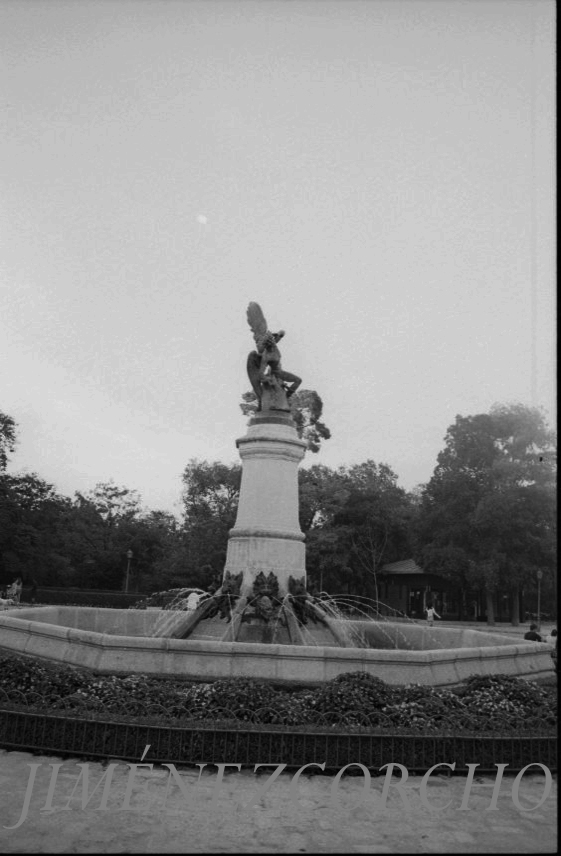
(82, 597)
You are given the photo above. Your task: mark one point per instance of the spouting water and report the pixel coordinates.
(174, 612)
(332, 616)
(392, 616)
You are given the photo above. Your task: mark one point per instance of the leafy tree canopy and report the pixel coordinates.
(322, 492)
(32, 525)
(211, 488)
(356, 518)
(7, 439)
(111, 502)
(512, 444)
(487, 516)
(210, 501)
(307, 408)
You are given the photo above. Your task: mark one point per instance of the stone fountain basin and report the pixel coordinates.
(119, 641)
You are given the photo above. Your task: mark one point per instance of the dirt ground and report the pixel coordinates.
(143, 810)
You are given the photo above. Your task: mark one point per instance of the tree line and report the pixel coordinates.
(485, 520)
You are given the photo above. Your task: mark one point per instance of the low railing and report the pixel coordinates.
(248, 737)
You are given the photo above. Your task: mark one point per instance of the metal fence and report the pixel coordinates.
(239, 737)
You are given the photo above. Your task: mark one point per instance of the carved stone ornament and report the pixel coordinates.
(298, 598)
(232, 583)
(266, 585)
(226, 597)
(264, 603)
(297, 586)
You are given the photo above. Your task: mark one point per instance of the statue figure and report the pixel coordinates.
(264, 364)
(301, 601)
(226, 597)
(265, 602)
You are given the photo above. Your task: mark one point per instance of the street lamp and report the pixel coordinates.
(539, 576)
(89, 566)
(129, 555)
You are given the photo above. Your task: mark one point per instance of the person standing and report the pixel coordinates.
(431, 615)
(15, 590)
(551, 638)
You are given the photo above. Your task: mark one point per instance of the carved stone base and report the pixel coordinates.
(267, 537)
(266, 544)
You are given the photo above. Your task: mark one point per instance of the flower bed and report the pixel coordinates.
(492, 704)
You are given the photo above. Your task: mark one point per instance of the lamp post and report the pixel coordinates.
(539, 576)
(89, 566)
(129, 555)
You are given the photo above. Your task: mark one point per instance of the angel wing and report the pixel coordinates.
(254, 374)
(256, 321)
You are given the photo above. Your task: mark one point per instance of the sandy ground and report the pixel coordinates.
(147, 810)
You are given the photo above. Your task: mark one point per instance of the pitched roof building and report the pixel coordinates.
(406, 588)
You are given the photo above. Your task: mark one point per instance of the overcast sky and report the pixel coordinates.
(379, 176)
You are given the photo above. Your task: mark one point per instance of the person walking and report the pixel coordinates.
(431, 615)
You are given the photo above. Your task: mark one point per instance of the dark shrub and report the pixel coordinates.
(493, 704)
(82, 597)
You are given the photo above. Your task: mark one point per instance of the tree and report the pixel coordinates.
(112, 503)
(7, 439)
(210, 502)
(373, 523)
(322, 493)
(153, 537)
(33, 523)
(81, 542)
(355, 519)
(487, 515)
(103, 530)
(516, 531)
(306, 407)
(36, 523)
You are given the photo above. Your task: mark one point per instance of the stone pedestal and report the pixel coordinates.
(267, 537)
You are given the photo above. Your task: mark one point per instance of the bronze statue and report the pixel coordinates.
(265, 602)
(264, 365)
(226, 597)
(300, 600)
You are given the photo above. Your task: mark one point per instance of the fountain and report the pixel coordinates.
(262, 622)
